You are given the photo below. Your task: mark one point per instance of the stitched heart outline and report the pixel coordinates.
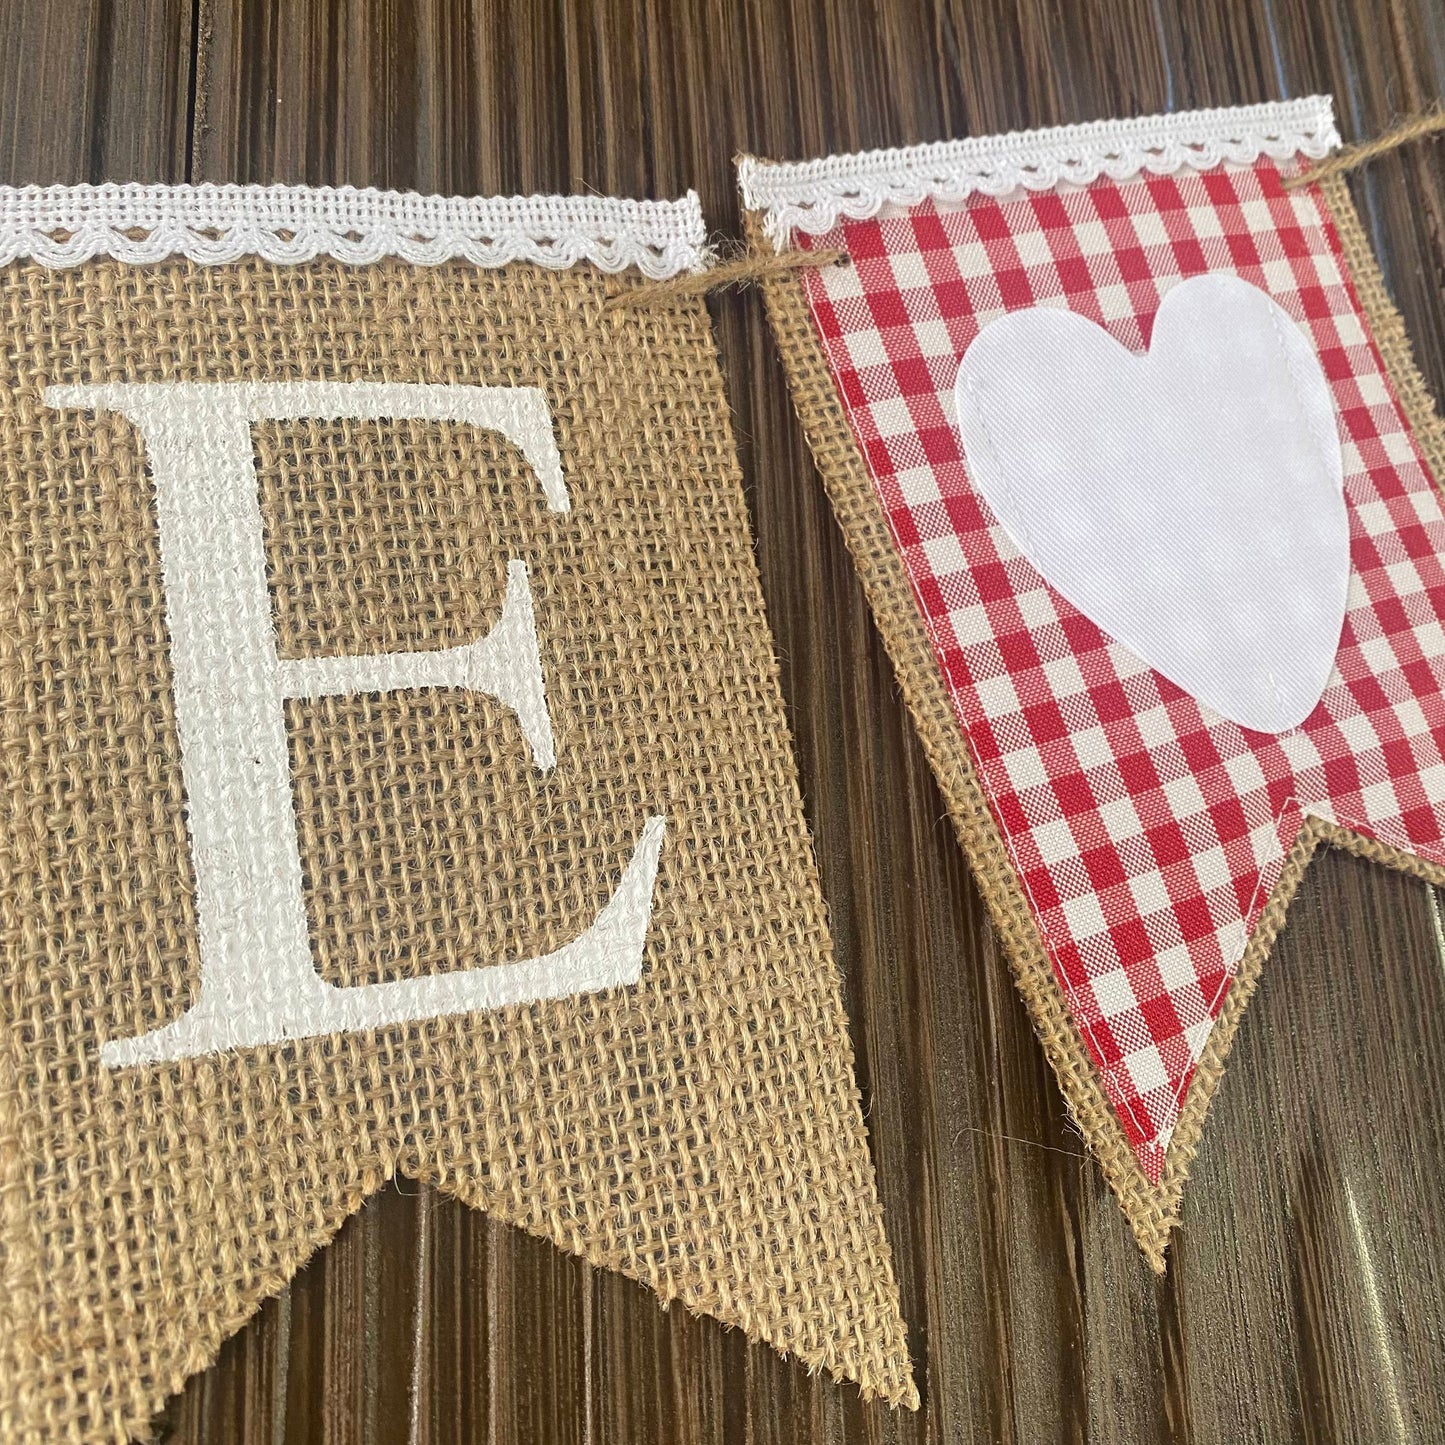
(1188, 500)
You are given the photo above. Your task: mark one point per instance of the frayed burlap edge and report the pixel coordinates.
(1152, 1210)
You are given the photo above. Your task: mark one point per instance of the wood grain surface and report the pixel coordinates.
(1306, 1295)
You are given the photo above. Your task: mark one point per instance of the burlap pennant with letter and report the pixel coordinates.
(1125, 437)
(396, 778)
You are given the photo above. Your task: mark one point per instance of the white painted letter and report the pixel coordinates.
(258, 983)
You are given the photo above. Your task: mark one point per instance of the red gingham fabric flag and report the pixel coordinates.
(1147, 833)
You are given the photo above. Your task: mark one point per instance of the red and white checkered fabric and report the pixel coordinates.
(1146, 832)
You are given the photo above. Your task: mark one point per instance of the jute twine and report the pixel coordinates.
(763, 264)
(1152, 1210)
(741, 271)
(1421, 126)
(701, 1131)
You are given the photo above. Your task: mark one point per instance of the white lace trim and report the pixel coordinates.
(812, 196)
(65, 225)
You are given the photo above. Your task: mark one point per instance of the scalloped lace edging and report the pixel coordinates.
(65, 225)
(812, 196)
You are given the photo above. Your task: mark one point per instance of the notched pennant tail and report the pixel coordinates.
(1151, 1204)
(401, 780)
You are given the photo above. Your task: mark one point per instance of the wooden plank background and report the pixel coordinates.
(1306, 1297)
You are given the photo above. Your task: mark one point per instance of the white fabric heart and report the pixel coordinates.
(1189, 501)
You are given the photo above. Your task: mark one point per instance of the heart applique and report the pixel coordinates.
(1188, 500)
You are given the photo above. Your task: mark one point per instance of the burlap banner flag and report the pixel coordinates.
(396, 778)
(1126, 440)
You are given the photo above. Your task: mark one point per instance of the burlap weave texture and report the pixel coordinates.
(700, 1131)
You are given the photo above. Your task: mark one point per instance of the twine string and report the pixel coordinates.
(745, 269)
(1414, 127)
(739, 272)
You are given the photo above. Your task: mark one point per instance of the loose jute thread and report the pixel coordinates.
(1416, 127)
(741, 272)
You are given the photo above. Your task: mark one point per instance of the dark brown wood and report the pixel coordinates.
(1306, 1298)
(91, 90)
